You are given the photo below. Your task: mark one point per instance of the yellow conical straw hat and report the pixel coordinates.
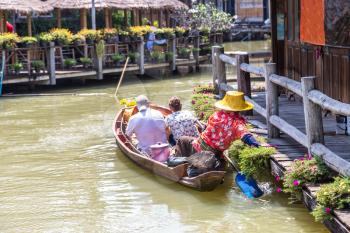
(234, 101)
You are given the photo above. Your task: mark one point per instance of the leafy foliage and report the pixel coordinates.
(252, 161)
(302, 171)
(332, 196)
(8, 40)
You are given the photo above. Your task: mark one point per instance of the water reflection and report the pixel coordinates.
(61, 171)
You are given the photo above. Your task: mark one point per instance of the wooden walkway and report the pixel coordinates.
(91, 74)
(292, 111)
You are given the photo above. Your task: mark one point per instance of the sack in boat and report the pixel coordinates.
(202, 162)
(160, 152)
(174, 161)
(128, 112)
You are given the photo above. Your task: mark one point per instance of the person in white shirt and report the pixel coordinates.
(148, 125)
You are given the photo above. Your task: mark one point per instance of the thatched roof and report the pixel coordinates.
(76, 4)
(25, 5)
(118, 4)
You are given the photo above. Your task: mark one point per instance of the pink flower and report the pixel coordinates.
(278, 190)
(296, 182)
(277, 178)
(193, 102)
(327, 210)
(201, 115)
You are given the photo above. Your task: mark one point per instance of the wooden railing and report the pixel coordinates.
(53, 62)
(313, 103)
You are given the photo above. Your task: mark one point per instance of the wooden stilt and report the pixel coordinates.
(58, 18)
(140, 17)
(167, 18)
(29, 24)
(132, 18)
(151, 16)
(2, 19)
(83, 19)
(159, 15)
(107, 21)
(126, 18)
(4, 22)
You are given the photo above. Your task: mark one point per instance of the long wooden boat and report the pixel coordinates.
(204, 182)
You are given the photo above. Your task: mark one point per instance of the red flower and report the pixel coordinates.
(296, 182)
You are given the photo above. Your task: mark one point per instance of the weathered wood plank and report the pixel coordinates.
(252, 69)
(288, 83)
(228, 59)
(328, 103)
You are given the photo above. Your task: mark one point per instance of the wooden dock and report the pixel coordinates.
(297, 117)
(289, 150)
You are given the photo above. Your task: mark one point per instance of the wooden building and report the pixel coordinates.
(252, 10)
(312, 38)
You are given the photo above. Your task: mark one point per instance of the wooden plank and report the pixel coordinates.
(328, 103)
(288, 83)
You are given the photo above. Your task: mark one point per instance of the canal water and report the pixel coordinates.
(61, 171)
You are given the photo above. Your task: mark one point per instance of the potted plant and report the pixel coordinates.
(110, 35)
(37, 65)
(169, 56)
(78, 39)
(17, 67)
(179, 32)
(184, 53)
(8, 40)
(45, 39)
(117, 58)
(160, 34)
(85, 61)
(168, 33)
(205, 51)
(91, 36)
(123, 36)
(204, 31)
(69, 63)
(61, 36)
(27, 42)
(157, 57)
(133, 57)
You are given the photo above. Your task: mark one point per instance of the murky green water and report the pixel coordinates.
(60, 171)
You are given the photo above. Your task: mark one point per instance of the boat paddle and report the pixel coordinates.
(246, 184)
(121, 78)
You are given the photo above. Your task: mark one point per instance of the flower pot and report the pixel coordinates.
(112, 40)
(89, 41)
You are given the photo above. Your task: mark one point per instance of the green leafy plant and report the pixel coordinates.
(302, 171)
(85, 61)
(8, 40)
(203, 101)
(169, 56)
(69, 62)
(195, 50)
(16, 67)
(61, 36)
(78, 39)
(180, 31)
(184, 52)
(252, 161)
(28, 40)
(90, 35)
(37, 65)
(331, 197)
(117, 57)
(134, 56)
(100, 48)
(45, 38)
(157, 56)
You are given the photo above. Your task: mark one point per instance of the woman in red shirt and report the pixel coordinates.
(224, 127)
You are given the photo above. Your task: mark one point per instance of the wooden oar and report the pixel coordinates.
(121, 78)
(247, 185)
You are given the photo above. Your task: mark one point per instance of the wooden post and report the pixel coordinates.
(312, 113)
(151, 16)
(5, 21)
(29, 24)
(83, 19)
(219, 70)
(159, 16)
(172, 48)
(140, 18)
(196, 43)
(107, 21)
(133, 21)
(243, 78)
(141, 49)
(51, 63)
(167, 18)
(2, 19)
(58, 18)
(126, 18)
(271, 100)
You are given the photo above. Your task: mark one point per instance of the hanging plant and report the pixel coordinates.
(332, 197)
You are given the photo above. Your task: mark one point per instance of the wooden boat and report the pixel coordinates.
(204, 182)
